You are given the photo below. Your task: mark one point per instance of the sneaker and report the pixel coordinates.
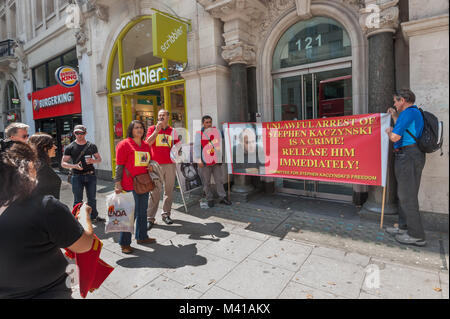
(150, 224)
(225, 201)
(210, 203)
(408, 240)
(167, 220)
(146, 241)
(395, 231)
(126, 249)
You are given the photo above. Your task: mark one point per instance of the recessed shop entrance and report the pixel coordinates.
(312, 78)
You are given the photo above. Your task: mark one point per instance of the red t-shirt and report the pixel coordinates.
(134, 157)
(160, 150)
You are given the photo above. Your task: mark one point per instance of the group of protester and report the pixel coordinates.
(35, 225)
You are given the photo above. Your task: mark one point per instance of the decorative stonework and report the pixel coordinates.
(380, 18)
(239, 53)
(304, 9)
(22, 57)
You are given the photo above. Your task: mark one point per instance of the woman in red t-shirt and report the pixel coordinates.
(132, 158)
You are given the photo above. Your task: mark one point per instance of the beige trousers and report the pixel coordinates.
(169, 174)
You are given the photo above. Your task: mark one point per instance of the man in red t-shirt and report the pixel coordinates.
(208, 155)
(161, 138)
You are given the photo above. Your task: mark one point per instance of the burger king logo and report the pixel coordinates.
(67, 76)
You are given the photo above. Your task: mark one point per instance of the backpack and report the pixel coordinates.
(432, 134)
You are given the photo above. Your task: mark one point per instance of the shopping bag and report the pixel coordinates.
(120, 213)
(92, 271)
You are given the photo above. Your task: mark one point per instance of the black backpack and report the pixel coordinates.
(432, 134)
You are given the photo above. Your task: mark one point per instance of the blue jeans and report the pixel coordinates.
(79, 182)
(140, 216)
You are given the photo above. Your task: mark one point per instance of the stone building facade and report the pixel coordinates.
(239, 70)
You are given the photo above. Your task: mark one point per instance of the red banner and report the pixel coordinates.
(349, 149)
(56, 101)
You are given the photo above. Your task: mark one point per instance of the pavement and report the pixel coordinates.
(272, 247)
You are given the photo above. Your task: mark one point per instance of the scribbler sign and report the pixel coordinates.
(348, 149)
(169, 38)
(144, 76)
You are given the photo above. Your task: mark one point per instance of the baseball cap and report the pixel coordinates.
(80, 128)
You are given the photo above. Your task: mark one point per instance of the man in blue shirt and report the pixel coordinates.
(408, 165)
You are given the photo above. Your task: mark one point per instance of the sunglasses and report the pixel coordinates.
(26, 136)
(80, 133)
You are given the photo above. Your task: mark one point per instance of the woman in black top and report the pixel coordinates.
(33, 229)
(49, 182)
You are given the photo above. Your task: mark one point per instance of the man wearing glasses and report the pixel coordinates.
(83, 155)
(17, 132)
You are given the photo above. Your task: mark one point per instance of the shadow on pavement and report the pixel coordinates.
(171, 256)
(196, 231)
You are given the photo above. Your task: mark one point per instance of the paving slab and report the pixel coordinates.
(253, 279)
(199, 230)
(365, 295)
(174, 253)
(234, 247)
(165, 288)
(331, 275)
(219, 293)
(350, 257)
(286, 254)
(401, 282)
(99, 294)
(202, 276)
(299, 291)
(242, 231)
(443, 276)
(130, 273)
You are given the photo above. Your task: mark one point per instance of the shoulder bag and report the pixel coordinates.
(142, 183)
(69, 177)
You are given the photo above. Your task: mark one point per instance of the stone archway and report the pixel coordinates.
(343, 14)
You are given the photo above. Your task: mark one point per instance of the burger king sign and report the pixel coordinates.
(67, 76)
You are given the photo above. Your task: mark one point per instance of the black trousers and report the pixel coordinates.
(409, 163)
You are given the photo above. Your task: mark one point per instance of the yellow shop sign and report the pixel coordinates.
(141, 77)
(169, 38)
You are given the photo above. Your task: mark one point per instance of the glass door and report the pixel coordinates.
(308, 96)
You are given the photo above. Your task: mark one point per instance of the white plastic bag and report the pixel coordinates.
(120, 213)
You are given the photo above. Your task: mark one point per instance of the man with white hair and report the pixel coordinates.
(17, 132)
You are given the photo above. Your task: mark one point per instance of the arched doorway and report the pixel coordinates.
(139, 84)
(312, 78)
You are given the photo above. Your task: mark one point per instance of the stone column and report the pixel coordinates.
(380, 21)
(239, 53)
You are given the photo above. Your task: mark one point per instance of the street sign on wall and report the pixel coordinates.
(169, 38)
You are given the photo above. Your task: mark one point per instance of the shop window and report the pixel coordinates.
(40, 77)
(138, 47)
(62, 4)
(44, 75)
(38, 13)
(70, 59)
(53, 65)
(49, 8)
(13, 111)
(3, 33)
(314, 40)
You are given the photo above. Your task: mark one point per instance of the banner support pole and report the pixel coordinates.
(382, 207)
(181, 191)
(229, 194)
